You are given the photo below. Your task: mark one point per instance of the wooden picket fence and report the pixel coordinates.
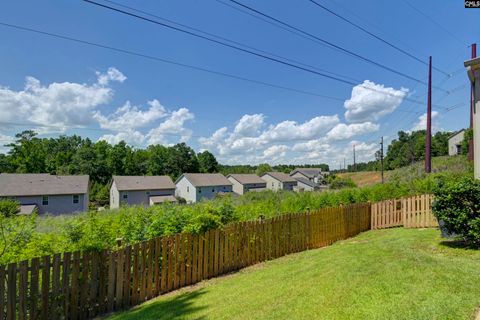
(411, 212)
(83, 285)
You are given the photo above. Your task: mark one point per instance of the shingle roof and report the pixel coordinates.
(206, 179)
(35, 184)
(308, 172)
(162, 199)
(125, 183)
(246, 178)
(280, 176)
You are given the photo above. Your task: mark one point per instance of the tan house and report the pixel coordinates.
(455, 143)
(196, 186)
(141, 190)
(279, 181)
(46, 193)
(243, 183)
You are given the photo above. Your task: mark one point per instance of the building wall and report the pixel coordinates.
(453, 142)
(237, 186)
(186, 190)
(272, 183)
(114, 196)
(57, 204)
(300, 187)
(211, 192)
(288, 186)
(142, 197)
(255, 187)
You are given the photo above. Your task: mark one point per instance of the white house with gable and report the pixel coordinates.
(196, 186)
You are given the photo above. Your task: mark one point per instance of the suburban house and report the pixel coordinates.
(279, 181)
(46, 193)
(309, 179)
(455, 143)
(141, 190)
(195, 186)
(243, 183)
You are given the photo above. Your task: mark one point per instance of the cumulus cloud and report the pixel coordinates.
(421, 123)
(4, 140)
(130, 117)
(112, 74)
(344, 131)
(131, 137)
(172, 126)
(370, 101)
(249, 125)
(61, 105)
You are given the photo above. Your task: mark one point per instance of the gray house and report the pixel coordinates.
(243, 183)
(46, 193)
(312, 174)
(195, 186)
(141, 190)
(279, 181)
(455, 143)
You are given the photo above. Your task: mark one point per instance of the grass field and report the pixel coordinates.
(385, 274)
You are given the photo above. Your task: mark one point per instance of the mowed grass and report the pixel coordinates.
(386, 274)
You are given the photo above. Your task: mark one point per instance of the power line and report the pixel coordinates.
(434, 22)
(219, 42)
(374, 35)
(328, 43)
(172, 62)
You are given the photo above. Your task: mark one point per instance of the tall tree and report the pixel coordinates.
(207, 162)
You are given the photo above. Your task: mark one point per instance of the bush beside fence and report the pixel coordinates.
(82, 285)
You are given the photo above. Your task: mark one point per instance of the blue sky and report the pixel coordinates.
(62, 87)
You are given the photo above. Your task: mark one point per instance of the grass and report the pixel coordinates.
(363, 178)
(385, 274)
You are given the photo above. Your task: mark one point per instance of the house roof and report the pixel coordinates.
(206, 179)
(307, 182)
(126, 183)
(247, 178)
(27, 208)
(162, 199)
(456, 133)
(280, 176)
(308, 172)
(36, 184)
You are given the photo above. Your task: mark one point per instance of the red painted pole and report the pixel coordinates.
(472, 103)
(474, 55)
(428, 140)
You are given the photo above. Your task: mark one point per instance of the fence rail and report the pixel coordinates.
(82, 285)
(412, 212)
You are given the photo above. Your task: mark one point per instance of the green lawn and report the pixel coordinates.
(385, 274)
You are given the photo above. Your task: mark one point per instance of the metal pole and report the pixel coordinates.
(472, 103)
(428, 140)
(381, 156)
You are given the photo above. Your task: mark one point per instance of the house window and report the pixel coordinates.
(45, 200)
(213, 189)
(199, 190)
(148, 193)
(188, 189)
(273, 184)
(125, 196)
(76, 198)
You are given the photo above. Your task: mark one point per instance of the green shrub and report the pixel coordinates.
(9, 207)
(457, 204)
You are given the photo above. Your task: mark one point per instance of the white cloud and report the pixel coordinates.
(249, 125)
(112, 74)
(344, 131)
(275, 152)
(172, 126)
(61, 105)
(131, 137)
(421, 123)
(130, 117)
(5, 139)
(370, 101)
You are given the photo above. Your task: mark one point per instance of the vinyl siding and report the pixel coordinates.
(57, 204)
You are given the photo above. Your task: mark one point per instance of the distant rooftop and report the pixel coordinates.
(247, 178)
(126, 183)
(308, 172)
(37, 184)
(280, 176)
(206, 179)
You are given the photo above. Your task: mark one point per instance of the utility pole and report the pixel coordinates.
(354, 163)
(428, 140)
(472, 103)
(381, 155)
(344, 165)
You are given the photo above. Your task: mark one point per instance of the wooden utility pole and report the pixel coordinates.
(428, 140)
(472, 103)
(354, 163)
(381, 156)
